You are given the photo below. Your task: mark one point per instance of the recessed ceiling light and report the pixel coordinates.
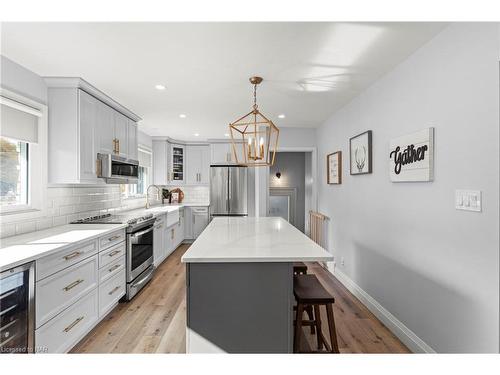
(281, 116)
(182, 115)
(160, 87)
(196, 134)
(226, 135)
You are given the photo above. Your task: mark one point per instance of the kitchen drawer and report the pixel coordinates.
(111, 254)
(51, 264)
(112, 269)
(110, 292)
(57, 292)
(172, 218)
(61, 333)
(111, 239)
(200, 210)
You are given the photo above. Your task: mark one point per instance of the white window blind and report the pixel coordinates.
(145, 158)
(18, 121)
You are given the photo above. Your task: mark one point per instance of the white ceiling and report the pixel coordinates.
(309, 69)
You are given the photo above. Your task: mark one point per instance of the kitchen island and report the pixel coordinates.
(239, 278)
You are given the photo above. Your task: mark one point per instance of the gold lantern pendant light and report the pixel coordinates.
(254, 137)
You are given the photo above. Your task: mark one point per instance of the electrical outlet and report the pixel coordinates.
(342, 261)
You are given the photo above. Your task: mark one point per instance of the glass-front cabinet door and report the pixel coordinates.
(177, 166)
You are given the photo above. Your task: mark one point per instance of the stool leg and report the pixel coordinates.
(298, 328)
(317, 319)
(331, 326)
(309, 311)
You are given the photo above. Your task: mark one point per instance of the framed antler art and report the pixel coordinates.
(360, 153)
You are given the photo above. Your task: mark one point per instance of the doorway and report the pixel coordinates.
(290, 190)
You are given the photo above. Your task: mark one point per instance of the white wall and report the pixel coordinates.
(297, 137)
(434, 268)
(17, 78)
(144, 139)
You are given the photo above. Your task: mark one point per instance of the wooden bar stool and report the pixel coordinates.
(299, 268)
(308, 291)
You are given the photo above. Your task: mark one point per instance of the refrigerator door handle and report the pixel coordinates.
(228, 190)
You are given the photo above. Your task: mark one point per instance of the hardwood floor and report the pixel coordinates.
(155, 320)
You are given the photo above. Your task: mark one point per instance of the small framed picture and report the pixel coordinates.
(175, 197)
(334, 168)
(360, 153)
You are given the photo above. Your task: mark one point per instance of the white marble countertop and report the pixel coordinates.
(248, 239)
(17, 250)
(161, 209)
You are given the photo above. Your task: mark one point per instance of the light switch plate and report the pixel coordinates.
(468, 200)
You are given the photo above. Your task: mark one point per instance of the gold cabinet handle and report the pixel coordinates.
(118, 141)
(114, 290)
(72, 255)
(73, 284)
(114, 145)
(68, 328)
(114, 267)
(113, 253)
(113, 238)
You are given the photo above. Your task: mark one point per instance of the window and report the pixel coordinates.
(14, 173)
(139, 190)
(23, 162)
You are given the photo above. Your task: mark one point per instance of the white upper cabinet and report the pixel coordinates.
(197, 164)
(105, 123)
(221, 153)
(160, 164)
(83, 122)
(132, 140)
(176, 158)
(88, 116)
(121, 133)
(176, 164)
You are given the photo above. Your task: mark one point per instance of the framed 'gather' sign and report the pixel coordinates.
(411, 157)
(334, 168)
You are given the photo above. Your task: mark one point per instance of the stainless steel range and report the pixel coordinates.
(140, 251)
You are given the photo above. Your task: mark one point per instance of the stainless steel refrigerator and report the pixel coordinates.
(228, 190)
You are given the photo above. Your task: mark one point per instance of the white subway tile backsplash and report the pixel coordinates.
(25, 227)
(70, 203)
(8, 230)
(59, 220)
(44, 223)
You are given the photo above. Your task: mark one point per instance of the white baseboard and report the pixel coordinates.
(406, 335)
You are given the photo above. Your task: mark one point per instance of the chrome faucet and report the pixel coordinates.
(147, 195)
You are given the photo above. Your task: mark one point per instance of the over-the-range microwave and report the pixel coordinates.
(115, 169)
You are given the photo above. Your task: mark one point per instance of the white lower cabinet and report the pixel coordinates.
(75, 288)
(200, 220)
(159, 250)
(110, 292)
(61, 333)
(111, 254)
(196, 220)
(111, 269)
(57, 292)
(178, 231)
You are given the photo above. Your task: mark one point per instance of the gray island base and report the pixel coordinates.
(240, 285)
